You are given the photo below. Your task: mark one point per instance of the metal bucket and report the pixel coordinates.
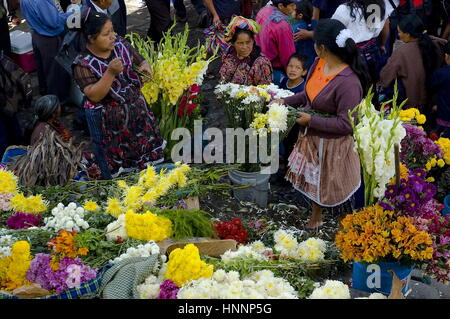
(259, 190)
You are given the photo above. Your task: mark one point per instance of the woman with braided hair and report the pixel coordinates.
(244, 63)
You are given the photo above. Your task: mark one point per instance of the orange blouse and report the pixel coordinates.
(318, 80)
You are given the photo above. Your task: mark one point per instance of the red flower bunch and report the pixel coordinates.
(232, 230)
(188, 101)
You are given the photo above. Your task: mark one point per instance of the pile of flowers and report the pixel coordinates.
(332, 289)
(255, 250)
(278, 119)
(65, 245)
(6, 242)
(151, 287)
(438, 227)
(286, 247)
(147, 226)
(168, 290)
(243, 102)
(21, 220)
(176, 69)
(375, 234)
(185, 265)
(12, 199)
(149, 188)
(116, 230)
(14, 266)
(417, 150)
(412, 114)
(375, 137)
(228, 285)
(232, 230)
(65, 274)
(68, 217)
(150, 248)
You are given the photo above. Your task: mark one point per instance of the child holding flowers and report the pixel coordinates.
(324, 166)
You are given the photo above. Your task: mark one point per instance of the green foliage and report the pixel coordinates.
(37, 237)
(100, 249)
(188, 223)
(98, 219)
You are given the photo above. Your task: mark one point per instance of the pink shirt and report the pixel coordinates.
(275, 39)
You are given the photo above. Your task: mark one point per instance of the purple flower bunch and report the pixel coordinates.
(168, 290)
(412, 197)
(21, 220)
(438, 227)
(71, 273)
(417, 148)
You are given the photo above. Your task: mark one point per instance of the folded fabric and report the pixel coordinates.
(121, 280)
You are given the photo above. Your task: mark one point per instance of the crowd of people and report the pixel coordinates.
(329, 53)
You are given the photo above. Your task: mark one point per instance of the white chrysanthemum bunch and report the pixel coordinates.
(255, 250)
(6, 242)
(276, 92)
(150, 289)
(151, 248)
(310, 250)
(69, 218)
(228, 285)
(116, 230)
(278, 116)
(332, 289)
(375, 137)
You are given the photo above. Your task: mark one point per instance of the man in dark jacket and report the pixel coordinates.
(115, 9)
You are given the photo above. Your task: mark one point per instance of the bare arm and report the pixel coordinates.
(316, 13)
(97, 91)
(210, 5)
(384, 35)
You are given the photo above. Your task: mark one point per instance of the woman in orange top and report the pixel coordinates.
(323, 165)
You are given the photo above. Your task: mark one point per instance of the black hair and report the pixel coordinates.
(363, 5)
(45, 107)
(256, 52)
(306, 9)
(285, 3)
(299, 57)
(325, 34)
(414, 26)
(239, 31)
(447, 48)
(93, 23)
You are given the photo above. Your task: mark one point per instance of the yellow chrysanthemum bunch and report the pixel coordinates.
(374, 233)
(185, 265)
(433, 162)
(147, 226)
(444, 143)
(412, 114)
(13, 269)
(30, 204)
(90, 206)
(149, 188)
(8, 182)
(260, 123)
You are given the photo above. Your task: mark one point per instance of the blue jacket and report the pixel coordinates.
(43, 17)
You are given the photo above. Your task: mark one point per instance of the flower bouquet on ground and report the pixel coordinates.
(375, 234)
(375, 137)
(246, 107)
(438, 227)
(173, 89)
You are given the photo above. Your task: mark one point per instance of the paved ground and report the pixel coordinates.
(138, 21)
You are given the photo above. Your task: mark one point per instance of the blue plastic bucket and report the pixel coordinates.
(446, 210)
(376, 278)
